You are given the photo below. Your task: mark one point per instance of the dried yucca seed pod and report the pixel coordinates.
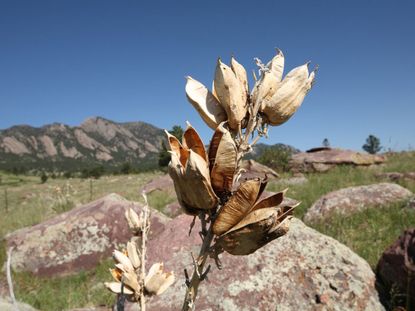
(256, 230)
(133, 254)
(242, 202)
(289, 96)
(206, 104)
(133, 220)
(270, 79)
(157, 281)
(222, 160)
(189, 170)
(230, 92)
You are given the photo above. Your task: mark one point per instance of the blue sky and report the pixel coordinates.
(64, 61)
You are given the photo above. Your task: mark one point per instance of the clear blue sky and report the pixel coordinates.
(63, 61)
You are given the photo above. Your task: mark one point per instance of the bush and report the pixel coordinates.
(43, 177)
(276, 157)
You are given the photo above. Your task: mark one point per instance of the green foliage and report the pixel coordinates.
(276, 157)
(95, 172)
(126, 168)
(372, 145)
(67, 174)
(85, 288)
(160, 199)
(43, 178)
(164, 156)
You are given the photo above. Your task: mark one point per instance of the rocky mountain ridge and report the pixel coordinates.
(96, 141)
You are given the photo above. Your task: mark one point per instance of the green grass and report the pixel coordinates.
(80, 290)
(368, 232)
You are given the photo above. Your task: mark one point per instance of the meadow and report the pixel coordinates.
(25, 201)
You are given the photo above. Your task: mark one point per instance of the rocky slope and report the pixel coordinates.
(95, 141)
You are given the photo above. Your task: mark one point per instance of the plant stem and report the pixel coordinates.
(146, 226)
(192, 289)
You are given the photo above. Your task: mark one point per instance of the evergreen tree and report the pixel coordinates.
(372, 145)
(326, 143)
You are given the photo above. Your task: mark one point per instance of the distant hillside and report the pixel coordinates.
(95, 141)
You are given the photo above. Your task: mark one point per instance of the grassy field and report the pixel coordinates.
(29, 202)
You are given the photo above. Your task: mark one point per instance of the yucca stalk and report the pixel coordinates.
(230, 108)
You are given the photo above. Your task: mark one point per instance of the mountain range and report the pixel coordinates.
(97, 141)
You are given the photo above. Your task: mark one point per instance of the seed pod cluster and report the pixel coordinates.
(277, 98)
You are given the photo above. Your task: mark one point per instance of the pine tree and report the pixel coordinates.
(372, 145)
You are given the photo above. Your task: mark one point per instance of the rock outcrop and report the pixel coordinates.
(396, 176)
(392, 272)
(353, 199)
(303, 270)
(77, 239)
(323, 159)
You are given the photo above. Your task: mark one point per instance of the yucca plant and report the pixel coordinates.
(238, 221)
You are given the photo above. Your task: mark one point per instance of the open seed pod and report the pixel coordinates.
(230, 88)
(245, 223)
(157, 281)
(256, 230)
(206, 104)
(222, 160)
(242, 202)
(189, 170)
(124, 273)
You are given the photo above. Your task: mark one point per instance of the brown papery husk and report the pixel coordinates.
(191, 140)
(238, 206)
(206, 103)
(177, 148)
(222, 160)
(248, 238)
(270, 201)
(193, 190)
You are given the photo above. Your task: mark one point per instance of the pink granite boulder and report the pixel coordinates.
(76, 240)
